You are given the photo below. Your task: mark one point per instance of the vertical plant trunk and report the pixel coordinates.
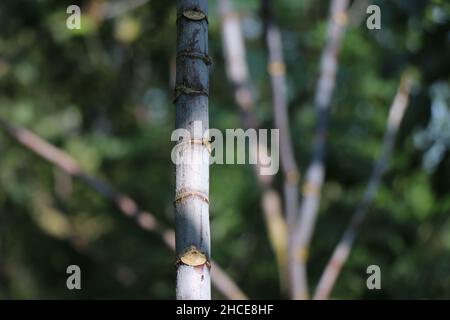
(315, 172)
(277, 71)
(239, 78)
(192, 168)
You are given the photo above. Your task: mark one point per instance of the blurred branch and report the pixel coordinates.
(277, 71)
(357, 12)
(342, 250)
(112, 9)
(315, 173)
(238, 76)
(118, 8)
(124, 203)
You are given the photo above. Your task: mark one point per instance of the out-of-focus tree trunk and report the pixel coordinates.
(315, 172)
(192, 168)
(342, 250)
(238, 76)
(277, 71)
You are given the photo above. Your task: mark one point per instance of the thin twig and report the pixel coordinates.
(342, 250)
(277, 72)
(124, 203)
(238, 76)
(315, 173)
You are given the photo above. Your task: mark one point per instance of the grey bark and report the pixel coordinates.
(192, 171)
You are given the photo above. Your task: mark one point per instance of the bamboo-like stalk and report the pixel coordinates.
(342, 250)
(277, 71)
(124, 203)
(192, 230)
(238, 76)
(315, 172)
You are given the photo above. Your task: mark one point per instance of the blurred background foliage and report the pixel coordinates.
(104, 95)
